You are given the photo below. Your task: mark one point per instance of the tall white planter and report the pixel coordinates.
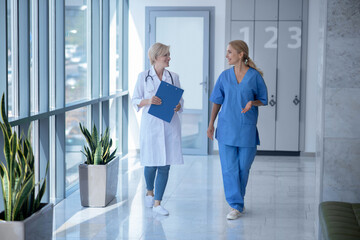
(98, 183)
(37, 226)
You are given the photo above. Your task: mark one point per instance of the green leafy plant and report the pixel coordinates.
(98, 150)
(17, 175)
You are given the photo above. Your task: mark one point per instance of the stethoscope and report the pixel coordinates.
(153, 85)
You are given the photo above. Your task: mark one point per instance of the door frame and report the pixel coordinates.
(211, 79)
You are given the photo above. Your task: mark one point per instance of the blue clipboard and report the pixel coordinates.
(170, 97)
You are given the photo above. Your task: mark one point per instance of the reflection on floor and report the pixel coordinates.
(279, 204)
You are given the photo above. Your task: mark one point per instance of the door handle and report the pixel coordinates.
(272, 101)
(204, 83)
(296, 101)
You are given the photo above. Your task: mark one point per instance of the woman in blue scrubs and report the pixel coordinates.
(239, 91)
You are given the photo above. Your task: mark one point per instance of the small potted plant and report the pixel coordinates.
(24, 216)
(98, 175)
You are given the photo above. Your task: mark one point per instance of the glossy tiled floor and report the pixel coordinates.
(279, 204)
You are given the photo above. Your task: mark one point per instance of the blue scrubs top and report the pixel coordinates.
(235, 128)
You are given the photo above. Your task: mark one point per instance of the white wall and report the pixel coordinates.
(137, 47)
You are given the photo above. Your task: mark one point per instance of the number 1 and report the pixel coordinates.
(246, 31)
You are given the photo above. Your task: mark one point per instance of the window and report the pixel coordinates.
(116, 123)
(33, 56)
(74, 143)
(34, 139)
(62, 65)
(76, 51)
(115, 52)
(11, 59)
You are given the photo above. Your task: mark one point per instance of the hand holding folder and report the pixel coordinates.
(170, 97)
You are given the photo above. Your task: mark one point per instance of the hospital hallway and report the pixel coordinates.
(279, 202)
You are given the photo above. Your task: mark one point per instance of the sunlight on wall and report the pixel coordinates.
(136, 65)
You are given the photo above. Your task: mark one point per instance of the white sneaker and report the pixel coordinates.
(234, 214)
(149, 201)
(160, 210)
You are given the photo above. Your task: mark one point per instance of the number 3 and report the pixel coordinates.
(296, 36)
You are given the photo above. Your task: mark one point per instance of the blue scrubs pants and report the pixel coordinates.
(160, 182)
(235, 165)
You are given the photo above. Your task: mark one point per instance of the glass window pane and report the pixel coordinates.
(74, 143)
(115, 52)
(33, 79)
(34, 138)
(31, 13)
(76, 48)
(191, 130)
(116, 124)
(174, 31)
(11, 59)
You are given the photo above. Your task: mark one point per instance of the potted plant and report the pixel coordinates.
(24, 216)
(98, 175)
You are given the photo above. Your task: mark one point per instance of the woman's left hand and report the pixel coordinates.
(247, 107)
(177, 108)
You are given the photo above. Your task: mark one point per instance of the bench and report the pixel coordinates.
(340, 220)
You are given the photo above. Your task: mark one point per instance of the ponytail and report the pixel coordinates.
(251, 64)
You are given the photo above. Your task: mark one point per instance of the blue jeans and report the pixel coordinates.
(235, 166)
(160, 182)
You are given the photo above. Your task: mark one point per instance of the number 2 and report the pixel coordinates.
(272, 43)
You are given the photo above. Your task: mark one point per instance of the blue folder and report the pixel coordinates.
(170, 97)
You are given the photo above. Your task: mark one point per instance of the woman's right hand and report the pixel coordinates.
(210, 132)
(155, 100)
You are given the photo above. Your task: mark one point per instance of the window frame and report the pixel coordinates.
(51, 109)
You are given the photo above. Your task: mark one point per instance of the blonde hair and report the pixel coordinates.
(241, 46)
(156, 50)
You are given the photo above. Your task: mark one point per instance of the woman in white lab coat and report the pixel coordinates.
(160, 141)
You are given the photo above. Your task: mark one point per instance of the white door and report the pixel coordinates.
(187, 33)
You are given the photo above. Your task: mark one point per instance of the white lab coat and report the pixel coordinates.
(160, 141)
